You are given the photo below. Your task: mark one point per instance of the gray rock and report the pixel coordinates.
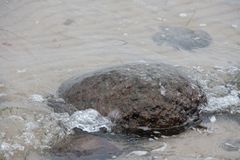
(83, 147)
(151, 96)
(231, 145)
(182, 38)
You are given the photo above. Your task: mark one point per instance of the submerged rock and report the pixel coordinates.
(84, 147)
(182, 38)
(138, 97)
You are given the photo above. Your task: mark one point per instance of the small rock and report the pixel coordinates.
(202, 25)
(68, 22)
(182, 38)
(164, 136)
(2, 85)
(183, 15)
(161, 149)
(138, 153)
(3, 94)
(210, 158)
(37, 22)
(234, 26)
(213, 119)
(84, 146)
(6, 44)
(231, 145)
(156, 138)
(21, 70)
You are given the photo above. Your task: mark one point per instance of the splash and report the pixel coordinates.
(88, 120)
(221, 87)
(39, 131)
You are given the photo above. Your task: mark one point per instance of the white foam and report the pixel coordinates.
(88, 120)
(36, 98)
(222, 103)
(8, 149)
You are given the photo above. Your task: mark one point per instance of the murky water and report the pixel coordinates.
(43, 43)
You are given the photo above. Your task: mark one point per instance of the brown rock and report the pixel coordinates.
(136, 96)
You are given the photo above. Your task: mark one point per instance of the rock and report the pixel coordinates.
(154, 96)
(237, 81)
(231, 145)
(59, 105)
(161, 148)
(138, 153)
(182, 38)
(84, 147)
(213, 119)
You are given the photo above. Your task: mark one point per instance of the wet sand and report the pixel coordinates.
(43, 43)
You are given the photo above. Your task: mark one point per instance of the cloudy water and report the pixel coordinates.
(43, 43)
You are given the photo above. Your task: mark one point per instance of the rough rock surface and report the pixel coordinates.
(138, 96)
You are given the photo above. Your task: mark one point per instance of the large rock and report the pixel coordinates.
(138, 96)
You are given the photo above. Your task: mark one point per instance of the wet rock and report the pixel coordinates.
(138, 153)
(59, 105)
(231, 145)
(68, 22)
(182, 38)
(236, 81)
(135, 96)
(3, 95)
(84, 147)
(161, 148)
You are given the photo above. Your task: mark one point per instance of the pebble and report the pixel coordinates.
(202, 25)
(161, 149)
(156, 138)
(213, 119)
(234, 26)
(21, 70)
(2, 85)
(138, 153)
(183, 15)
(3, 94)
(210, 158)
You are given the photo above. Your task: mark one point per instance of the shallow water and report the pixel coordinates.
(43, 43)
